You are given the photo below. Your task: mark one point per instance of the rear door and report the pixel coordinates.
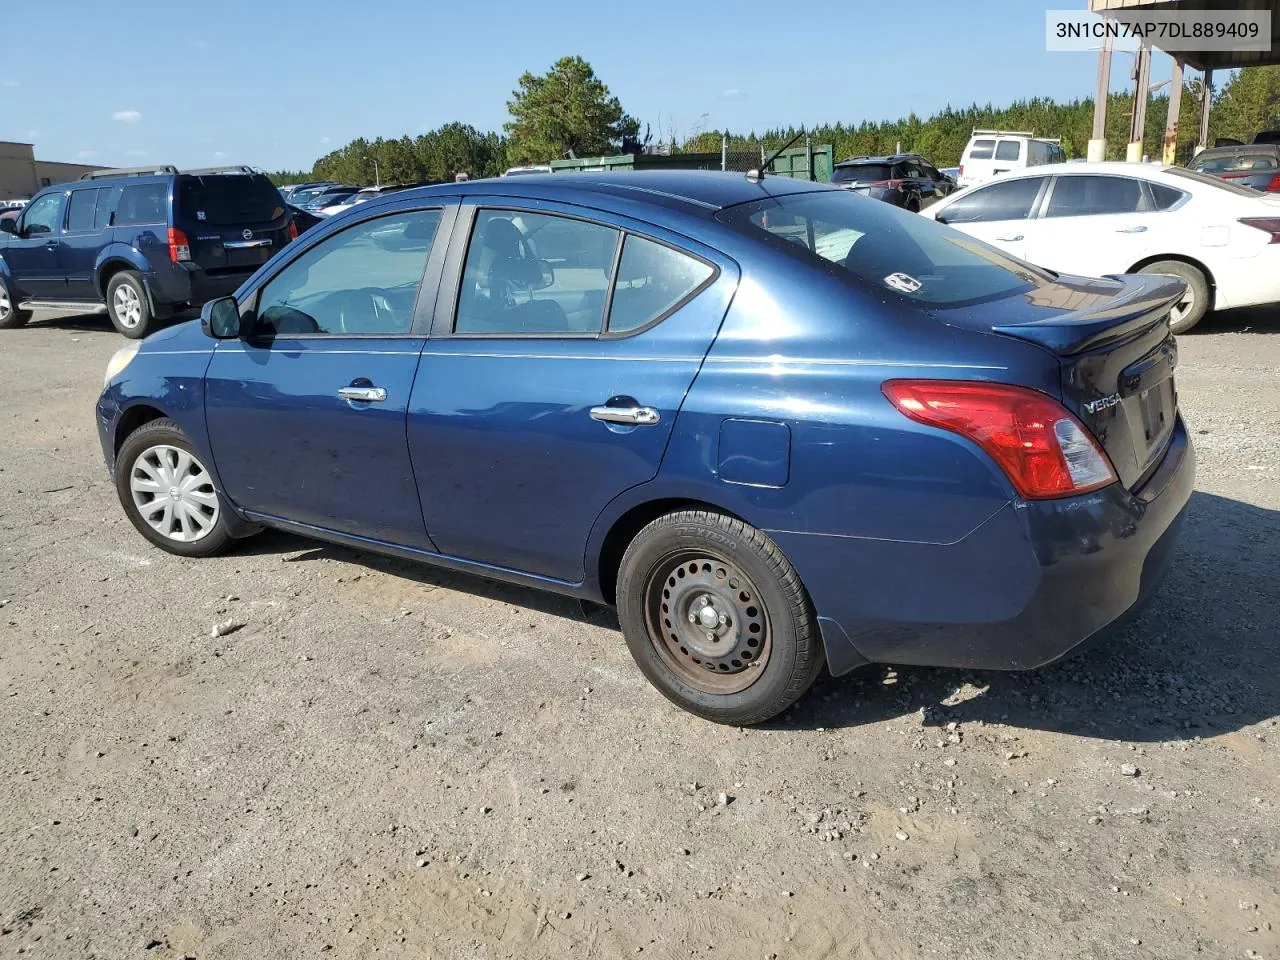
(1094, 225)
(234, 222)
(87, 231)
(999, 213)
(1010, 154)
(306, 414)
(560, 357)
(34, 253)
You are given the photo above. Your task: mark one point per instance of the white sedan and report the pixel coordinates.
(1092, 219)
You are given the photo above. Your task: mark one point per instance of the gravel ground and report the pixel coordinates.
(389, 760)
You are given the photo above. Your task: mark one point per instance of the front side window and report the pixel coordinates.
(42, 215)
(1008, 149)
(653, 280)
(142, 203)
(1084, 196)
(889, 250)
(1002, 200)
(81, 210)
(533, 273)
(362, 281)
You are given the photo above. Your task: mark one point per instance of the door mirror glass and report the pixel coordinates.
(220, 319)
(9, 226)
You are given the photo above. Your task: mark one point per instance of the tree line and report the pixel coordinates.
(570, 112)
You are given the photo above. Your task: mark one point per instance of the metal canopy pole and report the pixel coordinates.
(1205, 104)
(1098, 143)
(1169, 155)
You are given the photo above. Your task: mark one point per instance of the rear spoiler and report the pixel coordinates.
(1143, 302)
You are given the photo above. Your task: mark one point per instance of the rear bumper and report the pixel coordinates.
(186, 283)
(1024, 589)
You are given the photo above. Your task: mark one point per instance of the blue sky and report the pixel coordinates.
(277, 83)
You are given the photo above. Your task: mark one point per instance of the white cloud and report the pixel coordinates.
(326, 139)
(136, 153)
(7, 82)
(731, 94)
(86, 154)
(35, 134)
(127, 116)
(202, 44)
(219, 155)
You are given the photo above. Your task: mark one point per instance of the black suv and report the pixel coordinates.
(905, 179)
(140, 244)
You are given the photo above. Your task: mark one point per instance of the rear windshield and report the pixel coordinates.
(1238, 161)
(886, 248)
(222, 199)
(862, 173)
(1209, 181)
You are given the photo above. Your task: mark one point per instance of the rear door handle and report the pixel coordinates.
(638, 416)
(1012, 239)
(364, 394)
(1137, 229)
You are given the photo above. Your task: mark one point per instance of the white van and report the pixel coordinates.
(992, 152)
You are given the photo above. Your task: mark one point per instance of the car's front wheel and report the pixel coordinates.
(168, 493)
(10, 315)
(717, 618)
(128, 305)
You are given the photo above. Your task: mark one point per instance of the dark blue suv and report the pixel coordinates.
(140, 244)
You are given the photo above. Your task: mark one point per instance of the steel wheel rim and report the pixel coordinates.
(707, 622)
(6, 305)
(1183, 307)
(173, 493)
(128, 306)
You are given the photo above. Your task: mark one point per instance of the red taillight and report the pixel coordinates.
(960, 170)
(1269, 225)
(1041, 447)
(293, 231)
(1273, 185)
(891, 184)
(179, 248)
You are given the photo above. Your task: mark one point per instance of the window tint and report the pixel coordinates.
(1165, 197)
(142, 203)
(982, 149)
(889, 250)
(651, 280)
(363, 280)
(81, 210)
(1003, 200)
(533, 273)
(221, 199)
(1008, 149)
(1081, 196)
(42, 215)
(102, 216)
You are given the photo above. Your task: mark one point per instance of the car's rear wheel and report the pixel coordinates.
(128, 306)
(168, 493)
(1189, 311)
(10, 315)
(717, 618)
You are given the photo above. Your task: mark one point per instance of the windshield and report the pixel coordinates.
(1209, 181)
(888, 249)
(862, 173)
(229, 199)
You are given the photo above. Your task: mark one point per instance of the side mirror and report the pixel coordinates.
(9, 226)
(220, 319)
(940, 217)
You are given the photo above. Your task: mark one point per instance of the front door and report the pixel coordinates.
(306, 413)
(553, 378)
(34, 252)
(999, 212)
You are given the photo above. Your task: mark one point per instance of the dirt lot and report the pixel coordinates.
(388, 760)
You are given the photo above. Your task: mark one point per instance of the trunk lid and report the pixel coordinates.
(1116, 355)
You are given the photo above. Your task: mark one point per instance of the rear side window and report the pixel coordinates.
(102, 215)
(1082, 196)
(653, 280)
(982, 149)
(530, 273)
(1008, 149)
(222, 199)
(888, 249)
(142, 203)
(1002, 200)
(82, 210)
(1165, 197)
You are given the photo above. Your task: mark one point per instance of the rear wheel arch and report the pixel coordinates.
(108, 270)
(1190, 261)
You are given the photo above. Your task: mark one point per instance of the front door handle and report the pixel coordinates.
(637, 416)
(1013, 239)
(364, 394)
(1137, 229)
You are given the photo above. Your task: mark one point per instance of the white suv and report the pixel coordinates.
(992, 152)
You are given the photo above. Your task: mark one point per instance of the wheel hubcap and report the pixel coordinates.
(1184, 306)
(707, 623)
(174, 493)
(6, 305)
(128, 306)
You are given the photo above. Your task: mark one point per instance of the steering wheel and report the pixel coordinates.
(354, 308)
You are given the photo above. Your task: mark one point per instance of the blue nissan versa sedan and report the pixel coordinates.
(777, 424)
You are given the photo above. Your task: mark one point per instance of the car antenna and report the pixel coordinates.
(758, 173)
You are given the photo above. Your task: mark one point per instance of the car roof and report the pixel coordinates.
(690, 191)
(1113, 167)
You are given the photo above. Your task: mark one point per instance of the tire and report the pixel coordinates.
(10, 316)
(153, 455)
(763, 651)
(128, 304)
(912, 205)
(1190, 311)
